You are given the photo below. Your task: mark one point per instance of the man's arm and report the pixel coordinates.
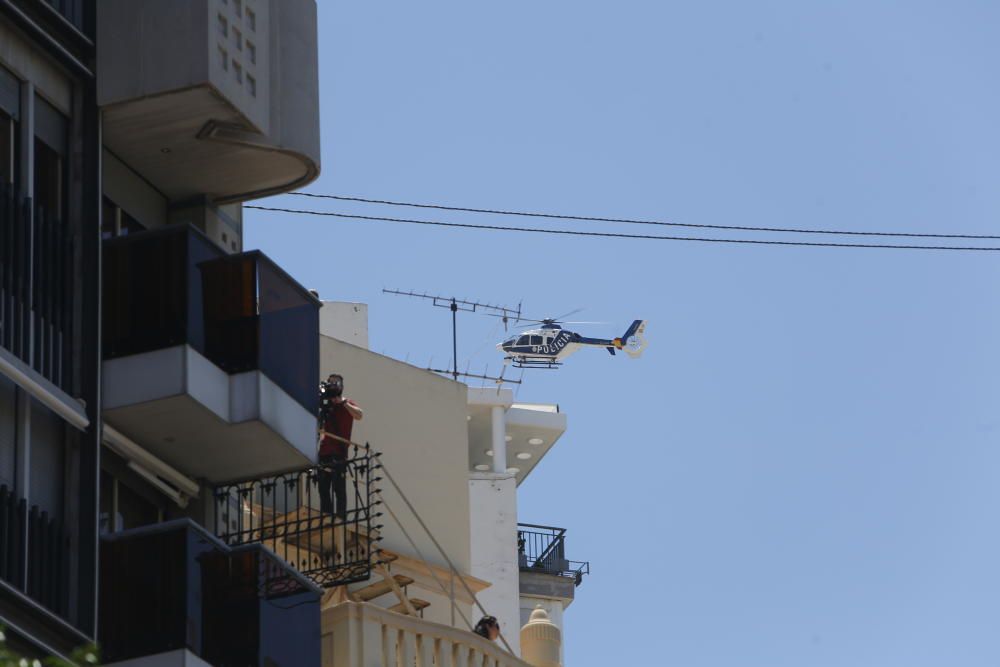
(354, 410)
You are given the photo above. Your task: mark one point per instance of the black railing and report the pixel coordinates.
(543, 549)
(36, 287)
(34, 553)
(286, 513)
(173, 286)
(172, 586)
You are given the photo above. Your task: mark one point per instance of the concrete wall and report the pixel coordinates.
(136, 197)
(493, 512)
(418, 421)
(345, 321)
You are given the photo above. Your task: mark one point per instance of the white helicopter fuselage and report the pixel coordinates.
(551, 344)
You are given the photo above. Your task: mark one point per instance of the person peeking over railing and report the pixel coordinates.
(337, 415)
(488, 628)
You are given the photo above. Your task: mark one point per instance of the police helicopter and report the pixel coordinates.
(549, 344)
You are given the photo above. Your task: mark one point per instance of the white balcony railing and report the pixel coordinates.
(358, 634)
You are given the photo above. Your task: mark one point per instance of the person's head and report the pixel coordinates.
(488, 627)
(336, 384)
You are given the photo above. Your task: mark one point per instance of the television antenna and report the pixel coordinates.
(455, 304)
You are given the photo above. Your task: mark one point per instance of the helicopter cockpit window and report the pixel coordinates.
(535, 340)
(523, 340)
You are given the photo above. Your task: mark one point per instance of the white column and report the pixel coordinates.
(499, 439)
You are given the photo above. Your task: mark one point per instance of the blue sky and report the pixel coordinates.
(803, 468)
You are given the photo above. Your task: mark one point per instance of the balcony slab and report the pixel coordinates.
(204, 422)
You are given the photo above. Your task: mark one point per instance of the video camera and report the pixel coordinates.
(329, 390)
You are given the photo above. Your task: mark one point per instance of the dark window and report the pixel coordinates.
(10, 108)
(523, 340)
(107, 502)
(51, 129)
(536, 340)
(8, 432)
(48, 452)
(116, 222)
(8, 143)
(133, 510)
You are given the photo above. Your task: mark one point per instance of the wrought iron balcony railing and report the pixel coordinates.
(543, 549)
(288, 514)
(36, 287)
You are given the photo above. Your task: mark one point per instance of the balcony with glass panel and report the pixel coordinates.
(210, 360)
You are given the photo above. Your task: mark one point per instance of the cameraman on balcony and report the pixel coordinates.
(337, 415)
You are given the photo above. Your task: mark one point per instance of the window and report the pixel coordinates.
(47, 459)
(115, 221)
(535, 340)
(8, 432)
(223, 58)
(223, 26)
(238, 7)
(251, 19)
(51, 130)
(10, 107)
(133, 510)
(252, 85)
(251, 52)
(238, 39)
(126, 502)
(523, 340)
(238, 72)
(107, 502)
(8, 139)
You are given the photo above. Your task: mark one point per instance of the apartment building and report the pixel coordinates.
(159, 487)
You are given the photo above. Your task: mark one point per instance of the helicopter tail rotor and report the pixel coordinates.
(633, 342)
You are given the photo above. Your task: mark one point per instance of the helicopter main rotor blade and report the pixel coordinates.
(561, 317)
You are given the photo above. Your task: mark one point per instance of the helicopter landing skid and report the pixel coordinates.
(533, 363)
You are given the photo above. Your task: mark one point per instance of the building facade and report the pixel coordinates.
(159, 488)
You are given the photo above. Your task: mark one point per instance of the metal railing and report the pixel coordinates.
(288, 514)
(543, 549)
(34, 552)
(36, 287)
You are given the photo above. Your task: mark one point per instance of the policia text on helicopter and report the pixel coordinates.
(337, 415)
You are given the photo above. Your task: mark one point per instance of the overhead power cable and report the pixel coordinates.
(632, 221)
(618, 235)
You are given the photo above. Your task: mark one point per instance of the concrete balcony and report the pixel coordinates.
(211, 97)
(210, 360)
(360, 634)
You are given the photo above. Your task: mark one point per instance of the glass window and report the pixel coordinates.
(48, 462)
(8, 432)
(536, 340)
(49, 179)
(116, 222)
(8, 142)
(523, 340)
(134, 510)
(107, 501)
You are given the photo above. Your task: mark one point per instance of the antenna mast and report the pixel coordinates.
(454, 305)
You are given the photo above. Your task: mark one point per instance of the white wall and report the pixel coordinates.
(418, 421)
(345, 321)
(493, 513)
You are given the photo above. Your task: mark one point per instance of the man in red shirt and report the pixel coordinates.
(337, 417)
